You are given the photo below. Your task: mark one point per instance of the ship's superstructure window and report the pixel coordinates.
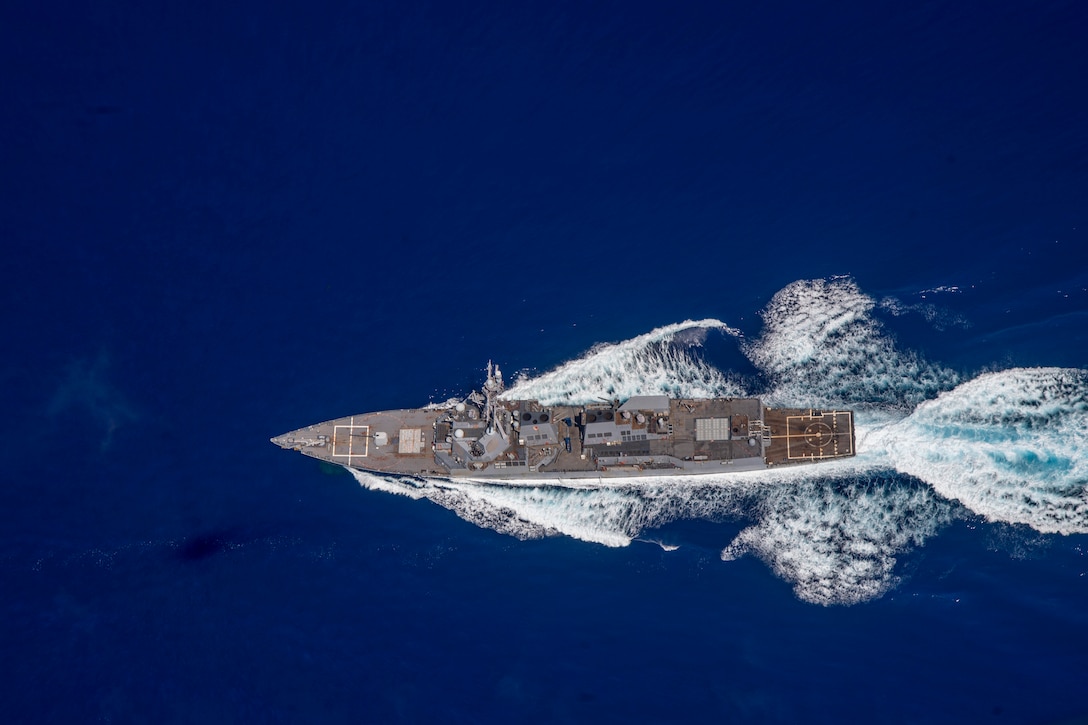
(608, 431)
(644, 417)
(540, 435)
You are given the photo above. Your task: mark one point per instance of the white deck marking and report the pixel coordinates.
(352, 432)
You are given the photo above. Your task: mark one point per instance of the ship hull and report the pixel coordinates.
(522, 440)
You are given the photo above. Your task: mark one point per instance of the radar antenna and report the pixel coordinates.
(493, 387)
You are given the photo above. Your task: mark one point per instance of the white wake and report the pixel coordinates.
(1010, 447)
(821, 346)
(837, 540)
(660, 362)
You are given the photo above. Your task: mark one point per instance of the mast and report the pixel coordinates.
(493, 387)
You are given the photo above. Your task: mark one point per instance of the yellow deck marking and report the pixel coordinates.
(832, 421)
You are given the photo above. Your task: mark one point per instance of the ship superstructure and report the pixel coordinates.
(488, 436)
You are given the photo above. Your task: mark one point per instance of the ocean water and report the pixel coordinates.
(221, 223)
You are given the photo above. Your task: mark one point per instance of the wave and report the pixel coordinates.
(612, 514)
(821, 345)
(837, 540)
(1012, 446)
(938, 317)
(1009, 446)
(660, 362)
(834, 532)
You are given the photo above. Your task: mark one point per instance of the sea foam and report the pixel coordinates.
(820, 345)
(1012, 446)
(1009, 446)
(660, 362)
(837, 539)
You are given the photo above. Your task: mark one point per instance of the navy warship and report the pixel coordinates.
(489, 436)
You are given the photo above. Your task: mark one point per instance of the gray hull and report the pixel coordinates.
(487, 437)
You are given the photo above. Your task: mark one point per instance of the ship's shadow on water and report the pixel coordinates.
(206, 545)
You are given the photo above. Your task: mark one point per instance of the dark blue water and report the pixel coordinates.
(220, 224)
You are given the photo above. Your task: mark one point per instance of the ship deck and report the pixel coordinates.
(806, 436)
(704, 435)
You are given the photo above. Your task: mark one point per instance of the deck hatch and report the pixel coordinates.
(711, 429)
(411, 441)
